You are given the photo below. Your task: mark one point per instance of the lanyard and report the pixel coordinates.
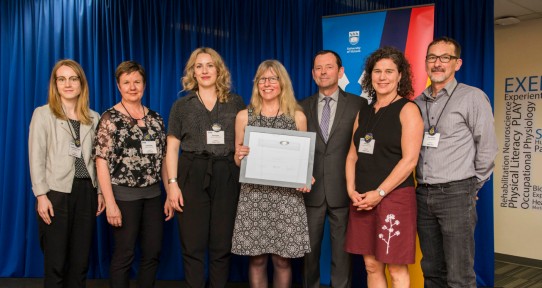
(433, 129)
(76, 140)
(144, 130)
(369, 135)
(216, 125)
(274, 120)
(134, 119)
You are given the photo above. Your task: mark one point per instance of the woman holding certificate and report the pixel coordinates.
(379, 171)
(270, 220)
(204, 183)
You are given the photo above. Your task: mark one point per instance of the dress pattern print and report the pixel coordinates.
(270, 219)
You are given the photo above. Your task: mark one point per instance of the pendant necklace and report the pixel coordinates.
(369, 135)
(433, 128)
(76, 140)
(135, 119)
(274, 120)
(216, 125)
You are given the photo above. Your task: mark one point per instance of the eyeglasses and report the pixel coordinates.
(443, 58)
(272, 80)
(63, 80)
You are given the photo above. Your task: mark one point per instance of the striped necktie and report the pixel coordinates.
(324, 121)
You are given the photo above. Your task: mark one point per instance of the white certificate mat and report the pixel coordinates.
(278, 157)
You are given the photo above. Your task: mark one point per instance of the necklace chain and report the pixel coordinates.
(137, 119)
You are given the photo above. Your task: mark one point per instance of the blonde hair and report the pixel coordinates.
(55, 104)
(288, 104)
(223, 77)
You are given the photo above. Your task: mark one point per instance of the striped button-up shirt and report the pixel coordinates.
(467, 145)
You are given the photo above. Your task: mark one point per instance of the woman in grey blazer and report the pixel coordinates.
(63, 176)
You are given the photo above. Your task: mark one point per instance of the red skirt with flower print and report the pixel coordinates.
(388, 231)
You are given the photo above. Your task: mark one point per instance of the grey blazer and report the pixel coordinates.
(330, 158)
(51, 168)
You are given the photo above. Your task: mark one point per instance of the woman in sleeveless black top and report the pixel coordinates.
(379, 171)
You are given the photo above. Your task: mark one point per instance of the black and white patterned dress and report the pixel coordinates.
(270, 219)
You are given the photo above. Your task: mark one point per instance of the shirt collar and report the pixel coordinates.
(190, 95)
(449, 88)
(334, 96)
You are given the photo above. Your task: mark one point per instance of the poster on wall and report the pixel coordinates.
(356, 36)
(520, 102)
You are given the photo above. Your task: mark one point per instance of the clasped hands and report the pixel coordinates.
(366, 201)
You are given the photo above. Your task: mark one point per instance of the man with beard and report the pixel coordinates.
(455, 161)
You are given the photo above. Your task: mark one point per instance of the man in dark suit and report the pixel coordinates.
(331, 114)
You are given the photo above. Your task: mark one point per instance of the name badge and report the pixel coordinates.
(366, 147)
(75, 151)
(431, 140)
(215, 137)
(149, 147)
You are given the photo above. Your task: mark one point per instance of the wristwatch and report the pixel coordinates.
(381, 192)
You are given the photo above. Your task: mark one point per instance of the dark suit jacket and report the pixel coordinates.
(330, 158)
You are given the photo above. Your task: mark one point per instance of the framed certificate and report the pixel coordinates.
(278, 157)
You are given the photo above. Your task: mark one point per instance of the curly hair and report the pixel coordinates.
(223, 77)
(55, 104)
(404, 88)
(288, 103)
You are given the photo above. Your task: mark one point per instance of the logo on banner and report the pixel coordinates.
(353, 37)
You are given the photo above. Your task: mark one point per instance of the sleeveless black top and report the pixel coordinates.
(385, 125)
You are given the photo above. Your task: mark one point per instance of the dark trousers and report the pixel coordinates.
(144, 219)
(446, 222)
(210, 188)
(341, 271)
(66, 242)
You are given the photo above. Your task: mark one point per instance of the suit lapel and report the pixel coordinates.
(64, 125)
(83, 132)
(85, 129)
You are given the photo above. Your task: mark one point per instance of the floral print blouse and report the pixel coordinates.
(118, 141)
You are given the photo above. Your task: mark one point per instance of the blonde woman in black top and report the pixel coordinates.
(203, 186)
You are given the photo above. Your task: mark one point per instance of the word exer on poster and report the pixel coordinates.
(521, 140)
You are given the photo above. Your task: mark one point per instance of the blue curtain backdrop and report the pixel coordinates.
(34, 34)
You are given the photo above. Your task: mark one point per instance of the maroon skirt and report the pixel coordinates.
(388, 231)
